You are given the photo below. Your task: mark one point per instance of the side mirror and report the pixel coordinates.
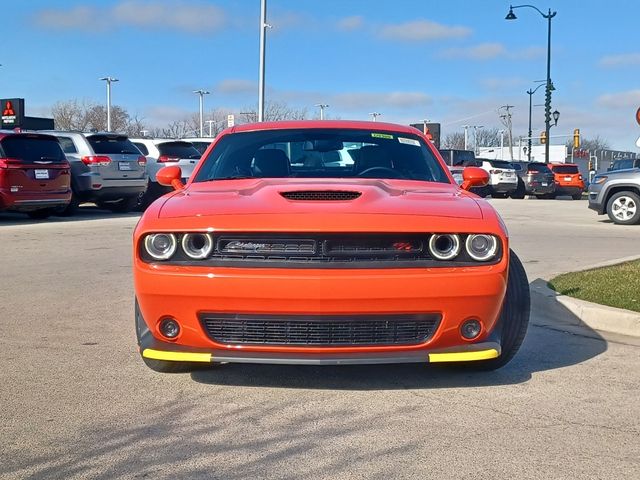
(170, 177)
(474, 177)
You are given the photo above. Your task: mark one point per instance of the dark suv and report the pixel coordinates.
(534, 178)
(34, 174)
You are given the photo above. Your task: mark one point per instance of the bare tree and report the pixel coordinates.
(595, 143)
(454, 141)
(274, 112)
(488, 137)
(84, 115)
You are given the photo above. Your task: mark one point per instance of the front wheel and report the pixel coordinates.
(514, 317)
(623, 208)
(40, 214)
(577, 196)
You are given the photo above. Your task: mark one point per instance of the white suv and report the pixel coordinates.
(164, 152)
(503, 179)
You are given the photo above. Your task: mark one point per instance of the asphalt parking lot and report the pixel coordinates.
(77, 402)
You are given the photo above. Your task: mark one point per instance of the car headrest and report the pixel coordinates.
(371, 156)
(270, 163)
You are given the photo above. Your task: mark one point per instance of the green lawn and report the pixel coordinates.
(616, 286)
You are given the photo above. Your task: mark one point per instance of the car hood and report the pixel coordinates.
(265, 196)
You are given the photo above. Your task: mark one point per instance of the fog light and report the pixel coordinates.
(471, 329)
(169, 328)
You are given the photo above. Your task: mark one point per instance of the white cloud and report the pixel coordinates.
(192, 17)
(354, 22)
(620, 60)
(236, 86)
(422, 30)
(483, 51)
(628, 100)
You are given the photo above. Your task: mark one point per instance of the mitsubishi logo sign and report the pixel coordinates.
(12, 112)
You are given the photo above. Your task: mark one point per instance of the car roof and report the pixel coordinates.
(344, 124)
(5, 134)
(556, 164)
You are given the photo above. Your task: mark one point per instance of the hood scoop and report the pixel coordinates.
(321, 195)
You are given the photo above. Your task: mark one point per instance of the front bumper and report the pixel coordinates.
(457, 294)
(596, 198)
(33, 201)
(504, 187)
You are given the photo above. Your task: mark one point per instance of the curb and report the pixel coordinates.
(553, 306)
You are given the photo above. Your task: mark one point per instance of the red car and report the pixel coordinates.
(325, 242)
(568, 180)
(34, 174)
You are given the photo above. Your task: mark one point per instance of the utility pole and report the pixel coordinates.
(506, 121)
(109, 80)
(501, 144)
(322, 106)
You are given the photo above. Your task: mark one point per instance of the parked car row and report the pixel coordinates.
(518, 179)
(55, 171)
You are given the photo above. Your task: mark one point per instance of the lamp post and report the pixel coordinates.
(375, 115)
(263, 47)
(201, 94)
(475, 138)
(549, 85)
(531, 92)
(321, 106)
(109, 80)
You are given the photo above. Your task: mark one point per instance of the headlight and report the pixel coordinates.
(197, 245)
(600, 179)
(160, 246)
(444, 246)
(481, 247)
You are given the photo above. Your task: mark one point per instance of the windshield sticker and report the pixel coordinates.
(409, 141)
(382, 135)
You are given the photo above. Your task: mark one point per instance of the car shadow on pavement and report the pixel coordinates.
(83, 214)
(555, 339)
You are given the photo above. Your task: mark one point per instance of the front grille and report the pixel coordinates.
(320, 330)
(321, 195)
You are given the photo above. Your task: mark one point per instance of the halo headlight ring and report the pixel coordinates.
(197, 245)
(160, 246)
(444, 246)
(486, 251)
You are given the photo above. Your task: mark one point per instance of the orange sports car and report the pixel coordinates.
(325, 242)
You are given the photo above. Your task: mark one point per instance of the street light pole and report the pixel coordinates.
(549, 86)
(466, 136)
(531, 92)
(109, 80)
(375, 115)
(263, 46)
(201, 94)
(321, 106)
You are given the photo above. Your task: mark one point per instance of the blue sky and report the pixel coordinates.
(450, 61)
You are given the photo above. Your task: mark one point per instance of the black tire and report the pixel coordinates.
(520, 191)
(498, 195)
(41, 214)
(161, 366)
(482, 192)
(577, 196)
(124, 205)
(72, 208)
(624, 199)
(546, 196)
(514, 317)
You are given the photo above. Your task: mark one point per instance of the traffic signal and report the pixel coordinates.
(543, 137)
(576, 138)
(590, 165)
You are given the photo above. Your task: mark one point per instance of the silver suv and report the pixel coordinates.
(164, 152)
(617, 194)
(106, 168)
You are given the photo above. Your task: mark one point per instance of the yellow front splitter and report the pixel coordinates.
(464, 356)
(176, 356)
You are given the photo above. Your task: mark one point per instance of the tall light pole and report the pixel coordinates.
(201, 94)
(466, 136)
(375, 115)
(549, 86)
(475, 138)
(321, 106)
(109, 80)
(531, 92)
(263, 47)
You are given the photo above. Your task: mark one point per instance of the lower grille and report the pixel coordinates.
(320, 330)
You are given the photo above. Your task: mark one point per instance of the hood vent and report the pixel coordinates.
(321, 195)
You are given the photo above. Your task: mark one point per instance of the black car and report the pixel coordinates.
(534, 178)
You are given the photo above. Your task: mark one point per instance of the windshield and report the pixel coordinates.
(565, 169)
(538, 167)
(500, 164)
(32, 149)
(321, 153)
(104, 144)
(178, 150)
